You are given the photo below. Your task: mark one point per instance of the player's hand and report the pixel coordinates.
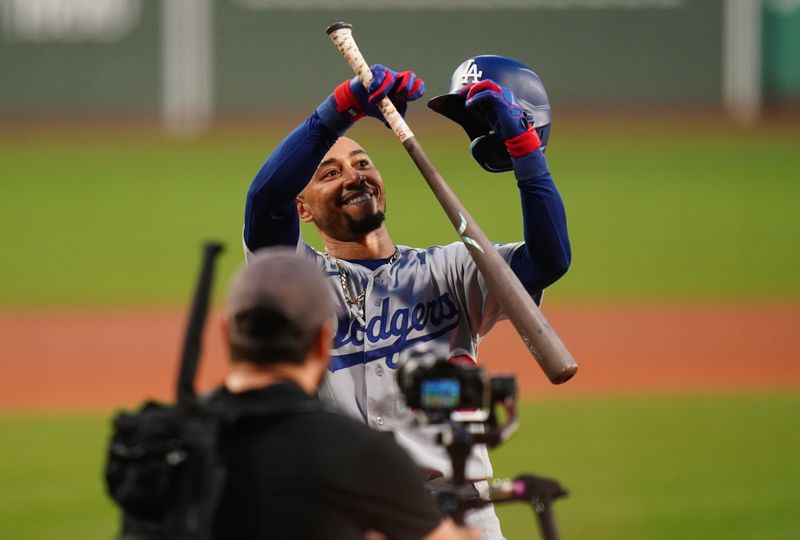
(356, 101)
(400, 88)
(350, 101)
(498, 107)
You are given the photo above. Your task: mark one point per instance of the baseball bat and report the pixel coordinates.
(539, 337)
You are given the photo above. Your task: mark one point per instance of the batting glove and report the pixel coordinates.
(350, 101)
(497, 106)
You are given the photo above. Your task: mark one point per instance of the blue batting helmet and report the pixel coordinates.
(487, 148)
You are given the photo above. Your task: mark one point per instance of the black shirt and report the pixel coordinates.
(298, 471)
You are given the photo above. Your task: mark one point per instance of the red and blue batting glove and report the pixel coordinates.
(497, 105)
(350, 101)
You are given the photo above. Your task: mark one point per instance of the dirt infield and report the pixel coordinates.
(101, 360)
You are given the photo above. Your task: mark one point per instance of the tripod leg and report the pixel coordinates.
(547, 523)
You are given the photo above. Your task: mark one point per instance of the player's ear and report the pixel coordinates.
(303, 210)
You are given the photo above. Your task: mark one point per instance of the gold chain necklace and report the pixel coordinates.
(355, 305)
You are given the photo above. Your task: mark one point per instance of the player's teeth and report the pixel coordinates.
(358, 199)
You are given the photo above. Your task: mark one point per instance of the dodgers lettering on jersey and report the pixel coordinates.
(434, 296)
(400, 329)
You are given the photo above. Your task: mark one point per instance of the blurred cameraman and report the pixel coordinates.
(294, 469)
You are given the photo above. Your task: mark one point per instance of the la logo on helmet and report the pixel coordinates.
(471, 73)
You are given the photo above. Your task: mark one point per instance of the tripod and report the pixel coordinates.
(459, 497)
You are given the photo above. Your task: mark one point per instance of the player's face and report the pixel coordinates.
(345, 197)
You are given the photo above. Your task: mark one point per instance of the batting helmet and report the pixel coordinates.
(487, 148)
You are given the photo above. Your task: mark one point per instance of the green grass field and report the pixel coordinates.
(701, 468)
(656, 211)
(659, 211)
(662, 468)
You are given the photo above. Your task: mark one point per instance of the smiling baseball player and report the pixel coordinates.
(394, 297)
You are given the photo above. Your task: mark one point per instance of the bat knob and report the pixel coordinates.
(565, 374)
(338, 26)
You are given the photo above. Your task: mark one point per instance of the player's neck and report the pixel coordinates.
(374, 245)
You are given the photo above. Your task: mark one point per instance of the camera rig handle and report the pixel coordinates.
(458, 440)
(456, 499)
(538, 491)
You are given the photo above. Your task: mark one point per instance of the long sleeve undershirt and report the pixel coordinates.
(271, 216)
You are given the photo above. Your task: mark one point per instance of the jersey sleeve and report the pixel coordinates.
(389, 493)
(270, 216)
(539, 261)
(546, 254)
(475, 300)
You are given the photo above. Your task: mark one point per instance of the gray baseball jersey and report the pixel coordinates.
(434, 296)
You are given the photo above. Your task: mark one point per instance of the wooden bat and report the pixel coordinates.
(540, 338)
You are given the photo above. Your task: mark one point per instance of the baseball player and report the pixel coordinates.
(393, 297)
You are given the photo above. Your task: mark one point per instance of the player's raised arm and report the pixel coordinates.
(546, 255)
(503, 107)
(270, 213)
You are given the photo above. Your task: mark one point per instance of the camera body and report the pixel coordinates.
(443, 389)
(436, 387)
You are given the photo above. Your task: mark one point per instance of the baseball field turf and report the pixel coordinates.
(701, 467)
(660, 211)
(657, 210)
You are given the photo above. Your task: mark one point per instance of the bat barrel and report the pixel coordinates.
(530, 323)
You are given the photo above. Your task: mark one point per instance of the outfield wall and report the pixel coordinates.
(99, 56)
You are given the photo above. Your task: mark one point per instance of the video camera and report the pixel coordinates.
(445, 389)
(455, 393)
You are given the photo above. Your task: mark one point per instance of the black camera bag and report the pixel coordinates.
(164, 472)
(163, 467)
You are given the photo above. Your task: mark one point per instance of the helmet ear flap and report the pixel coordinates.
(490, 153)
